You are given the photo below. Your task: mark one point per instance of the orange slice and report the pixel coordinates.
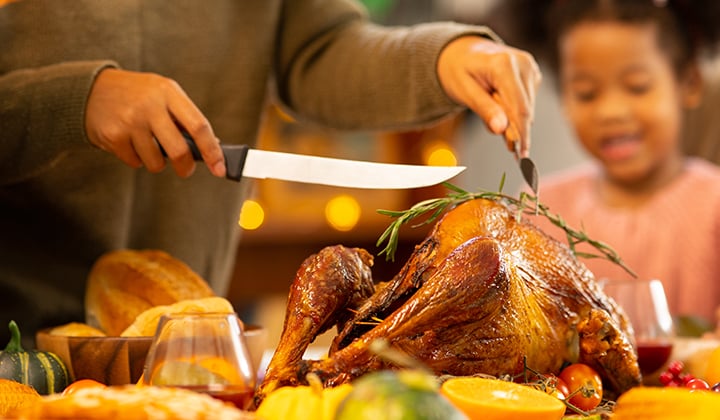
(176, 373)
(494, 399)
(223, 368)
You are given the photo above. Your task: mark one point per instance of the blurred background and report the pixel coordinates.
(284, 223)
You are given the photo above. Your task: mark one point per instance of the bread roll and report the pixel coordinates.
(146, 323)
(76, 329)
(122, 284)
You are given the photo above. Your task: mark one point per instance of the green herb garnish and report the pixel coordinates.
(524, 204)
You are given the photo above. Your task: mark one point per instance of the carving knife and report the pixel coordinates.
(243, 161)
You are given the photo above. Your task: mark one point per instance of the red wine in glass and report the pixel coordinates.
(645, 306)
(652, 355)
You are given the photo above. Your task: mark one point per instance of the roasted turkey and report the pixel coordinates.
(485, 292)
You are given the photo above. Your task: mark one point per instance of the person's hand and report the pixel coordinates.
(129, 113)
(496, 82)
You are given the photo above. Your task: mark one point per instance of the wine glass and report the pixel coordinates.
(203, 352)
(646, 307)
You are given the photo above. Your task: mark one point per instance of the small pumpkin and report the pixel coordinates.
(41, 370)
(303, 402)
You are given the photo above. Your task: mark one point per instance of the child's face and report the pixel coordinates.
(622, 97)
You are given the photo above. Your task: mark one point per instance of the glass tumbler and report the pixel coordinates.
(203, 352)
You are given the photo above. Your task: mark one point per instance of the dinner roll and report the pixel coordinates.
(146, 323)
(76, 329)
(122, 284)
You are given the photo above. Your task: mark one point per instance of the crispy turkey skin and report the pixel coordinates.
(480, 294)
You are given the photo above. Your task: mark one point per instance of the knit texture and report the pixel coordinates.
(63, 202)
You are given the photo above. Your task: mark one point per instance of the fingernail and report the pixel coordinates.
(512, 134)
(189, 172)
(498, 123)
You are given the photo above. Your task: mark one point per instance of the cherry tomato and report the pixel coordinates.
(558, 387)
(82, 384)
(577, 376)
(686, 378)
(697, 384)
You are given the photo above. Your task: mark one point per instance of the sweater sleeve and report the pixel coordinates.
(31, 141)
(343, 71)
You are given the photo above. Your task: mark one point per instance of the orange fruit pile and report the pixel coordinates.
(494, 399)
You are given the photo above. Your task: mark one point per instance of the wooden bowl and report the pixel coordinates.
(120, 360)
(110, 360)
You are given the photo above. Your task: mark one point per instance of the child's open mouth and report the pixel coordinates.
(620, 147)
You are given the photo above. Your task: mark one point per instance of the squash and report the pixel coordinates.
(408, 394)
(15, 396)
(41, 370)
(303, 402)
(666, 403)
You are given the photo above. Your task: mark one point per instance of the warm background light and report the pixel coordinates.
(440, 154)
(342, 212)
(252, 215)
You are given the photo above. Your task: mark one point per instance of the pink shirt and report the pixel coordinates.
(674, 237)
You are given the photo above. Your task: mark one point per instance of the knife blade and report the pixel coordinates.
(243, 161)
(528, 169)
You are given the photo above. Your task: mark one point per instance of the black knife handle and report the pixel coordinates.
(235, 155)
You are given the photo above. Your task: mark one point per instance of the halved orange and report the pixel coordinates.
(494, 399)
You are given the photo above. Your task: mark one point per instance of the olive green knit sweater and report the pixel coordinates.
(64, 202)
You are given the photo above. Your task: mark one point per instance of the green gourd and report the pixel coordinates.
(41, 370)
(405, 394)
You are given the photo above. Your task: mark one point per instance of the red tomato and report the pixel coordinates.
(695, 383)
(563, 388)
(557, 387)
(578, 375)
(82, 384)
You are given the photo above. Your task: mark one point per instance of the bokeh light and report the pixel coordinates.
(252, 215)
(342, 212)
(440, 154)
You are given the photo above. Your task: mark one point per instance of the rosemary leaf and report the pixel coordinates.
(433, 208)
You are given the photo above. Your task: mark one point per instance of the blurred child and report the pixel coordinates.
(627, 70)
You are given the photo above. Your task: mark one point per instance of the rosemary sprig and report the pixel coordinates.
(524, 204)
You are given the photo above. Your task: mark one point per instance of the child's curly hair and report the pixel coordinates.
(687, 28)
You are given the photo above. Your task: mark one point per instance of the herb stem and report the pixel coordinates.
(524, 204)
